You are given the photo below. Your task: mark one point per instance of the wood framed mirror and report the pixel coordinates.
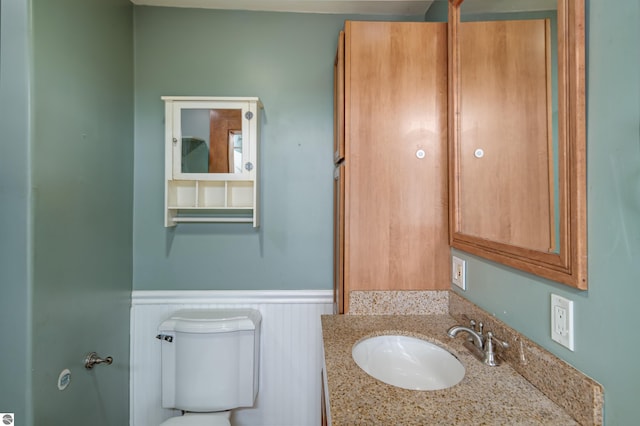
(517, 135)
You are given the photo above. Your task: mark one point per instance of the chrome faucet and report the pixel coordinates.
(478, 338)
(481, 346)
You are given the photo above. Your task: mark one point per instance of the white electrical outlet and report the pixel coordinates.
(458, 273)
(562, 321)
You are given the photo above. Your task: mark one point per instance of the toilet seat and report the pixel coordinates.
(199, 419)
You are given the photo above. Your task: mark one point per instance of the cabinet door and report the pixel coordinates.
(324, 421)
(338, 101)
(396, 158)
(338, 239)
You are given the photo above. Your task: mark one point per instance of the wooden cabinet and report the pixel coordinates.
(338, 101)
(338, 237)
(324, 418)
(391, 209)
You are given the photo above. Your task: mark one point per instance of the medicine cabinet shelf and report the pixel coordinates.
(211, 159)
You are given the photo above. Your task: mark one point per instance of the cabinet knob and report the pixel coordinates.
(420, 154)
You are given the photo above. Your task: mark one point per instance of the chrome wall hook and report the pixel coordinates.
(93, 359)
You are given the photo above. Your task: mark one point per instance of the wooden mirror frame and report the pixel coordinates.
(569, 265)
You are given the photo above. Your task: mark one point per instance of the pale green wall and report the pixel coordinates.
(67, 179)
(606, 344)
(15, 282)
(82, 150)
(286, 59)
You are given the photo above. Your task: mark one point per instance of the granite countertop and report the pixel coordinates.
(486, 395)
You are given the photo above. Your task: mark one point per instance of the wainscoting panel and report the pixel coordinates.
(290, 352)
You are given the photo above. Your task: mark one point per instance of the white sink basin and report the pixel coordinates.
(408, 362)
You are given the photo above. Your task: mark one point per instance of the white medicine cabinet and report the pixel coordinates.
(211, 159)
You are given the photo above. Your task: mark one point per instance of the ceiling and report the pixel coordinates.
(358, 7)
(368, 7)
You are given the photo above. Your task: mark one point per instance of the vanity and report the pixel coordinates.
(531, 386)
(486, 395)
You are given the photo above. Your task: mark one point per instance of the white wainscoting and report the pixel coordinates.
(290, 352)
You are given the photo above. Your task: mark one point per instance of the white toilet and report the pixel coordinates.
(210, 364)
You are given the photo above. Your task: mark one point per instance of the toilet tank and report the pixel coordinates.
(210, 359)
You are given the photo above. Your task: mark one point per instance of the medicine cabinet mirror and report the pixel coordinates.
(211, 155)
(517, 135)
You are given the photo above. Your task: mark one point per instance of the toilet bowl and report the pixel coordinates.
(200, 419)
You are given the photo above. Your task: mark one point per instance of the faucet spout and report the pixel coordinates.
(478, 339)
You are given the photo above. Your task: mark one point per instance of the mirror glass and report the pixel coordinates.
(211, 140)
(517, 133)
(509, 122)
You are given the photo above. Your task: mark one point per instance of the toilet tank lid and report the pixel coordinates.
(212, 320)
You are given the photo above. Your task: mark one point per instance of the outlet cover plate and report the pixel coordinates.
(458, 272)
(562, 321)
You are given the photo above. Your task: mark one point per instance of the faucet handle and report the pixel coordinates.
(489, 353)
(494, 339)
(503, 343)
